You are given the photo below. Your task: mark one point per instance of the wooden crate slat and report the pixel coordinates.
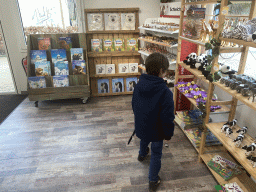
(112, 10)
(116, 75)
(112, 54)
(68, 95)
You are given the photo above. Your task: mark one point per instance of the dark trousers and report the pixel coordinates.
(155, 161)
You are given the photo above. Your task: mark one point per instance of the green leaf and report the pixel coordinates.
(208, 68)
(216, 51)
(208, 46)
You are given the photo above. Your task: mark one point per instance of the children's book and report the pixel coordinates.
(58, 55)
(44, 43)
(38, 56)
(110, 68)
(131, 82)
(78, 67)
(133, 67)
(96, 45)
(123, 68)
(132, 44)
(103, 85)
(112, 21)
(117, 85)
(65, 43)
(43, 68)
(119, 44)
(61, 68)
(108, 45)
(128, 21)
(36, 82)
(77, 54)
(100, 69)
(229, 187)
(60, 81)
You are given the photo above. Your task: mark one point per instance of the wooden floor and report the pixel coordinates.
(75, 147)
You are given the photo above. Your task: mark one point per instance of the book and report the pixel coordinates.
(36, 82)
(132, 44)
(44, 43)
(229, 187)
(131, 82)
(117, 85)
(60, 81)
(110, 68)
(58, 55)
(65, 43)
(123, 68)
(38, 56)
(103, 85)
(119, 44)
(61, 68)
(133, 67)
(96, 45)
(112, 21)
(128, 21)
(77, 54)
(43, 68)
(108, 45)
(100, 69)
(79, 67)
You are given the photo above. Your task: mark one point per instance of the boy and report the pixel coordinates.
(153, 108)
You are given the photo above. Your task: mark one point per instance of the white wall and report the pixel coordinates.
(148, 8)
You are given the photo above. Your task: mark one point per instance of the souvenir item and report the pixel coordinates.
(133, 67)
(128, 21)
(131, 82)
(60, 81)
(110, 68)
(249, 149)
(61, 68)
(96, 45)
(123, 68)
(242, 130)
(252, 159)
(100, 69)
(78, 67)
(43, 68)
(132, 44)
(44, 43)
(95, 22)
(119, 44)
(37, 56)
(77, 54)
(108, 45)
(36, 82)
(117, 85)
(103, 85)
(112, 21)
(65, 43)
(238, 140)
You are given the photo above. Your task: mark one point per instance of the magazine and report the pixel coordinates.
(110, 68)
(96, 45)
(103, 85)
(38, 56)
(65, 43)
(132, 44)
(44, 43)
(58, 55)
(61, 68)
(78, 67)
(77, 54)
(131, 82)
(117, 85)
(108, 45)
(100, 69)
(36, 82)
(133, 67)
(60, 81)
(119, 44)
(123, 68)
(43, 68)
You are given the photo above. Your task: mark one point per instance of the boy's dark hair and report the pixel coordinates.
(155, 62)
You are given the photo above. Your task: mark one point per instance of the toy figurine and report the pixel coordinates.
(252, 159)
(239, 140)
(242, 131)
(224, 128)
(249, 149)
(231, 123)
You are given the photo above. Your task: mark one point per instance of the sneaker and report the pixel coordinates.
(140, 158)
(154, 184)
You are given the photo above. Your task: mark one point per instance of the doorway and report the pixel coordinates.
(6, 77)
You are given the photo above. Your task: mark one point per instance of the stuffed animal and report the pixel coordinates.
(226, 71)
(199, 61)
(191, 58)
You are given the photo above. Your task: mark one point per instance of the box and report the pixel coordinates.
(100, 69)
(110, 68)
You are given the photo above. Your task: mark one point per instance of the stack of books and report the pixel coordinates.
(191, 118)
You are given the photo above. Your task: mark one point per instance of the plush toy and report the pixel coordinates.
(226, 71)
(199, 61)
(191, 58)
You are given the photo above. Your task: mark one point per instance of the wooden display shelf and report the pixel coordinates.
(141, 67)
(158, 43)
(242, 180)
(160, 31)
(108, 94)
(113, 54)
(193, 41)
(238, 96)
(224, 108)
(113, 32)
(202, 2)
(240, 42)
(116, 75)
(239, 153)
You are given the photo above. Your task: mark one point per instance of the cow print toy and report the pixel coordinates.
(252, 159)
(231, 123)
(242, 130)
(249, 149)
(227, 129)
(238, 140)
(224, 127)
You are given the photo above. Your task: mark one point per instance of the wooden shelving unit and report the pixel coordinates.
(158, 43)
(114, 57)
(160, 31)
(236, 153)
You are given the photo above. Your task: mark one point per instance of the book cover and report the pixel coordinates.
(119, 44)
(231, 187)
(58, 55)
(38, 56)
(123, 68)
(96, 45)
(112, 21)
(117, 85)
(131, 82)
(221, 169)
(103, 85)
(60, 81)
(61, 68)
(95, 21)
(65, 43)
(128, 21)
(44, 43)
(43, 68)
(79, 67)
(36, 82)
(132, 44)
(100, 69)
(108, 45)
(77, 54)
(133, 67)
(110, 68)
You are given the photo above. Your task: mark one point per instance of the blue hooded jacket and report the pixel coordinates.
(153, 108)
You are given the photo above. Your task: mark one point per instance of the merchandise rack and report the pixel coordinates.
(114, 57)
(237, 154)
